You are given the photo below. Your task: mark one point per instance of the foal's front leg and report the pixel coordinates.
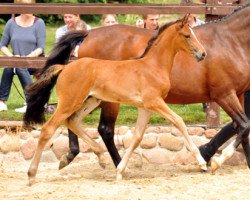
(141, 124)
(178, 122)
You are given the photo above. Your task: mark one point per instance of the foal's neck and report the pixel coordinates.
(163, 51)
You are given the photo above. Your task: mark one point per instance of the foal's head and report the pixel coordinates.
(187, 41)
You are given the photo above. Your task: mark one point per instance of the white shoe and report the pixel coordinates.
(21, 110)
(3, 106)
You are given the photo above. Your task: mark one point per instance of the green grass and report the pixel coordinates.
(192, 114)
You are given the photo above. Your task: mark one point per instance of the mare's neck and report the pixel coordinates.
(162, 52)
(235, 28)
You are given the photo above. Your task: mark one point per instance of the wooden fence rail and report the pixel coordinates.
(49, 8)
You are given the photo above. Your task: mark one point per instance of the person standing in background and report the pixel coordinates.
(109, 19)
(27, 35)
(70, 21)
(149, 21)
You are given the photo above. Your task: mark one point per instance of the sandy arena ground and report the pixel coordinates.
(87, 180)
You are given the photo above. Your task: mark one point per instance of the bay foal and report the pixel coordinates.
(143, 83)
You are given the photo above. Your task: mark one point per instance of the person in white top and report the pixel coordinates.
(70, 21)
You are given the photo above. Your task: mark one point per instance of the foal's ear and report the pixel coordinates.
(185, 19)
(182, 22)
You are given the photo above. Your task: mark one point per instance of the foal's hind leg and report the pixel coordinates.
(177, 121)
(47, 132)
(142, 121)
(74, 150)
(74, 124)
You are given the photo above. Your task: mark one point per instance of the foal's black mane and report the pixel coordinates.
(151, 41)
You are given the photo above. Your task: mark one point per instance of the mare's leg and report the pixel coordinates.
(74, 150)
(106, 128)
(245, 139)
(142, 121)
(209, 149)
(233, 107)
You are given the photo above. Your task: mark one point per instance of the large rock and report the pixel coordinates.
(10, 142)
(28, 148)
(127, 140)
(196, 131)
(2, 132)
(238, 158)
(170, 142)
(149, 141)
(210, 133)
(60, 146)
(158, 156)
(92, 132)
(122, 130)
(48, 156)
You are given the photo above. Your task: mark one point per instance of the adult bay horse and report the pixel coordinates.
(214, 79)
(146, 85)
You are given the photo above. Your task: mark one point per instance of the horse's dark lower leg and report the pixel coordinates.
(245, 139)
(106, 129)
(73, 150)
(107, 134)
(246, 148)
(209, 149)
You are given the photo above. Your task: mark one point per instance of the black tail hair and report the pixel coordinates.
(62, 51)
(38, 95)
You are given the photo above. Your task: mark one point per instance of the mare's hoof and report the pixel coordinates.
(203, 167)
(63, 162)
(215, 164)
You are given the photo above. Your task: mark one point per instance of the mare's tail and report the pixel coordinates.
(39, 93)
(62, 51)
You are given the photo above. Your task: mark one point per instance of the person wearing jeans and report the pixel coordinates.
(26, 35)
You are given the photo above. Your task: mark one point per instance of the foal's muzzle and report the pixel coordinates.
(200, 55)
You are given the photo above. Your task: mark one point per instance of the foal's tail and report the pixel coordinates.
(62, 51)
(39, 93)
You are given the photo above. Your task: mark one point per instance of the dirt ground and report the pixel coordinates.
(87, 180)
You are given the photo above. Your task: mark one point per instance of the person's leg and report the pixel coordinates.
(6, 81)
(24, 77)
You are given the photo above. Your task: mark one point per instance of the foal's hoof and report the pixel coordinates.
(102, 161)
(118, 177)
(32, 181)
(63, 162)
(215, 164)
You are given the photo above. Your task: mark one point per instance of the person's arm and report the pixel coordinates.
(59, 33)
(37, 52)
(6, 40)
(41, 39)
(6, 51)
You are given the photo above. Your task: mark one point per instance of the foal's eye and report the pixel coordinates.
(187, 36)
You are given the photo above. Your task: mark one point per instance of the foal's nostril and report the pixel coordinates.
(204, 54)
